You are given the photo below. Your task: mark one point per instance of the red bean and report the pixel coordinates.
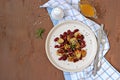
(65, 33)
(56, 39)
(60, 50)
(71, 35)
(69, 31)
(75, 60)
(60, 58)
(64, 57)
(57, 46)
(81, 37)
(76, 30)
(61, 45)
(82, 45)
(61, 36)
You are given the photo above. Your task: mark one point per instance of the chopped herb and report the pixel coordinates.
(73, 47)
(39, 32)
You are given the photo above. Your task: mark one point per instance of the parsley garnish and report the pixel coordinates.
(39, 32)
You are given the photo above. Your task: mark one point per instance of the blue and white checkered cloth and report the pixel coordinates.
(72, 12)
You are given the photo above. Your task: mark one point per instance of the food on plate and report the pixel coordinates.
(70, 46)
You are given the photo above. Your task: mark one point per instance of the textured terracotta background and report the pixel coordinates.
(22, 55)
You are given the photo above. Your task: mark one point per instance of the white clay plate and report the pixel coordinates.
(91, 46)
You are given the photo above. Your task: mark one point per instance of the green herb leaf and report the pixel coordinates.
(73, 47)
(40, 32)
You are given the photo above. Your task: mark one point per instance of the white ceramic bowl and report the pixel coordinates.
(91, 46)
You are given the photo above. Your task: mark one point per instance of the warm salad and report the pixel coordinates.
(70, 46)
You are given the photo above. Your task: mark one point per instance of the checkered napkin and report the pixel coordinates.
(72, 12)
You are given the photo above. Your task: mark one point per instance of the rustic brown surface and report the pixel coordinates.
(22, 55)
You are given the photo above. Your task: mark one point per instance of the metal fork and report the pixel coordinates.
(102, 40)
(99, 52)
(105, 33)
